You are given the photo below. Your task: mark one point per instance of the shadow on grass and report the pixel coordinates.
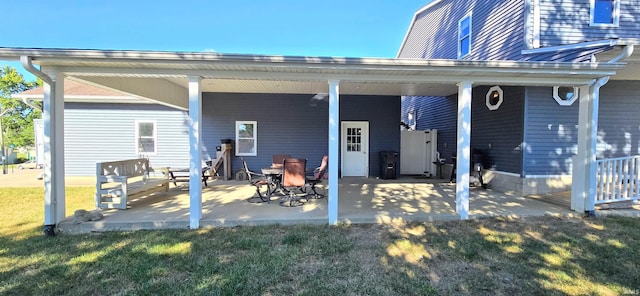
(486, 256)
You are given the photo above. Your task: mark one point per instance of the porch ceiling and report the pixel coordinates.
(168, 72)
(632, 69)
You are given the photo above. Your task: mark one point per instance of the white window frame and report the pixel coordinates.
(155, 137)
(615, 17)
(255, 138)
(489, 98)
(562, 101)
(461, 37)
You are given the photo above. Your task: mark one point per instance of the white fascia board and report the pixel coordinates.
(413, 21)
(432, 77)
(583, 45)
(179, 63)
(389, 67)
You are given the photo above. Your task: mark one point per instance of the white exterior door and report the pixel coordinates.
(355, 148)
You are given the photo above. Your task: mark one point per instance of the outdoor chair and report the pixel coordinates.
(277, 160)
(317, 178)
(293, 180)
(258, 180)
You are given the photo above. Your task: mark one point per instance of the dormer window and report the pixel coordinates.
(605, 13)
(464, 36)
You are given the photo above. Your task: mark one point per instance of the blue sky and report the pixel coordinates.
(348, 28)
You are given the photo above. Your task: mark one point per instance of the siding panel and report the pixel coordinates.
(296, 125)
(502, 128)
(497, 30)
(550, 134)
(567, 22)
(106, 132)
(498, 134)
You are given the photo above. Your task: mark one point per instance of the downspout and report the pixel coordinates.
(50, 210)
(30, 103)
(626, 52)
(595, 94)
(28, 65)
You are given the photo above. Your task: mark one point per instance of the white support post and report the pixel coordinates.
(585, 169)
(195, 165)
(334, 149)
(53, 125)
(463, 151)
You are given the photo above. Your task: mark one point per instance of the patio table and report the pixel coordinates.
(273, 176)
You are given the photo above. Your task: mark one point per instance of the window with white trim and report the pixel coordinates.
(494, 98)
(565, 95)
(246, 138)
(605, 13)
(464, 36)
(146, 137)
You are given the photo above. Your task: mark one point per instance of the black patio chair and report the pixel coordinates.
(317, 178)
(258, 180)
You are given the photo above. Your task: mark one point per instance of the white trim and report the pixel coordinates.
(195, 151)
(137, 123)
(413, 22)
(488, 98)
(536, 24)
(563, 102)
(364, 148)
(470, 36)
(545, 176)
(463, 149)
(615, 15)
(334, 150)
(255, 138)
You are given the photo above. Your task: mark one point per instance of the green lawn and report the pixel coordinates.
(535, 256)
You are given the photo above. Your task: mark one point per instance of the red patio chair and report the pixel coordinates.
(277, 160)
(293, 180)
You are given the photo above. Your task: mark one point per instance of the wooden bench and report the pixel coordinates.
(119, 181)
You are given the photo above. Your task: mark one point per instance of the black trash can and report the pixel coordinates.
(388, 164)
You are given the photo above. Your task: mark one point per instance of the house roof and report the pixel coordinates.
(163, 76)
(75, 91)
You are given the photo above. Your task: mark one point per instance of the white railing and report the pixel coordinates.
(618, 179)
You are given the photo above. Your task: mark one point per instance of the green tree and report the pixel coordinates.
(17, 123)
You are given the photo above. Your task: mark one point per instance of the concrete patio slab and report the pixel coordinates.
(361, 200)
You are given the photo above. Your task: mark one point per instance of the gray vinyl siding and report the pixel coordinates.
(297, 125)
(435, 113)
(106, 132)
(619, 121)
(497, 30)
(494, 134)
(567, 22)
(383, 115)
(550, 134)
(498, 134)
(551, 130)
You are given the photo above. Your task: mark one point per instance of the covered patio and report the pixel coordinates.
(178, 79)
(362, 200)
